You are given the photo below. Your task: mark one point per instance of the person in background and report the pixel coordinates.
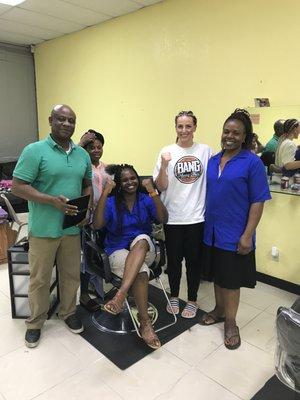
(286, 156)
(236, 191)
(273, 142)
(297, 154)
(93, 143)
(180, 175)
(268, 154)
(127, 217)
(256, 147)
(48, 173)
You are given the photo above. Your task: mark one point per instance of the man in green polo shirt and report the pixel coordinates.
(272, 144)
(48, 173)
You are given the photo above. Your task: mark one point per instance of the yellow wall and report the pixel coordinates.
(128, 77)
(280, 227)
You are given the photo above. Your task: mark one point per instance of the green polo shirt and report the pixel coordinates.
(272, 144)
(49, 169)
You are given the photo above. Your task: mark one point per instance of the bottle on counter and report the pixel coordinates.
(297, 178)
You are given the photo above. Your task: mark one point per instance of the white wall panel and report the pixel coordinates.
(18, 119)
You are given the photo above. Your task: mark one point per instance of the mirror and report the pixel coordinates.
(263, 119)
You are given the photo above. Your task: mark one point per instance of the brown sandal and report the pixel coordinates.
(148, 334)
(229, 337)
(115, 305)
(211, 316)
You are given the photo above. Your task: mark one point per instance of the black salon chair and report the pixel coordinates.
(288, 346)
(268, 158)
(98, 263)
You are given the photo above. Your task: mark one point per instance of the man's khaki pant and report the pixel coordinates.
(42, 254)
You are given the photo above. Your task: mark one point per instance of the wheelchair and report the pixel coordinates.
(98, 263)
(287, 362)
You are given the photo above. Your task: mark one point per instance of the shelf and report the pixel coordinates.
(19, 275)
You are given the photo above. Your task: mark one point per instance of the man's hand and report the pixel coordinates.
(165, 159)
(60, 202)
(148, 185)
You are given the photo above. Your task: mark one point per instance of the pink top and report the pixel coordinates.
(98, 180)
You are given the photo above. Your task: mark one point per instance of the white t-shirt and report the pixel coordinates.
(285, 153)
(185, 194)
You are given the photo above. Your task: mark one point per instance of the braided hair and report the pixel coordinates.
(186, 114)
(243, 116)
(116, 170)
(288, 127)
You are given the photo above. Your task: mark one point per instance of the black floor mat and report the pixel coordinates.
(275, 390)
(125, 350)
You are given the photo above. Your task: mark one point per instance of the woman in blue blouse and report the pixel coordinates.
(236, 191)
(127, 217)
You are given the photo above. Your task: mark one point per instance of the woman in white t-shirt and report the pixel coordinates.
(285, 156)
(180, 175)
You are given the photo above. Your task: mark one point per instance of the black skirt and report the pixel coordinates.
(228, 269)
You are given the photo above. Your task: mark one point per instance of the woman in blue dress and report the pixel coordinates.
(127, 217)
(236, 191)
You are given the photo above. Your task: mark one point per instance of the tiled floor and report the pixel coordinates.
(195, 365)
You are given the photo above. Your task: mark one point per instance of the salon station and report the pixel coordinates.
(127, 68)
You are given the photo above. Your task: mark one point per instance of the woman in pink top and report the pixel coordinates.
(93, 143)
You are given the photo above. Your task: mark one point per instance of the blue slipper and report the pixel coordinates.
(190, 310)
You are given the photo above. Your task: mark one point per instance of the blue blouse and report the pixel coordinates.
(134, 223)
(229, 196)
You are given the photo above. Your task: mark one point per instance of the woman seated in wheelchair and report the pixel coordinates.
(127, 216)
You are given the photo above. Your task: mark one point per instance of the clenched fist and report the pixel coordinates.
(109, 186)
(148, 185)
(166, 158)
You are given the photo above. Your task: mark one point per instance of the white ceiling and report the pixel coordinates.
(35, 21)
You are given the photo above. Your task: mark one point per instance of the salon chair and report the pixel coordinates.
(98, 263)
(14, 219)
(268, 158)
(288, 346)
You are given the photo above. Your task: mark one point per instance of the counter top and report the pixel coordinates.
(276, 188)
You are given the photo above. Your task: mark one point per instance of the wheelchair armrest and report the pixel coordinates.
(161, 250)
(288, 347)
(103, 259)
(160, 259)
